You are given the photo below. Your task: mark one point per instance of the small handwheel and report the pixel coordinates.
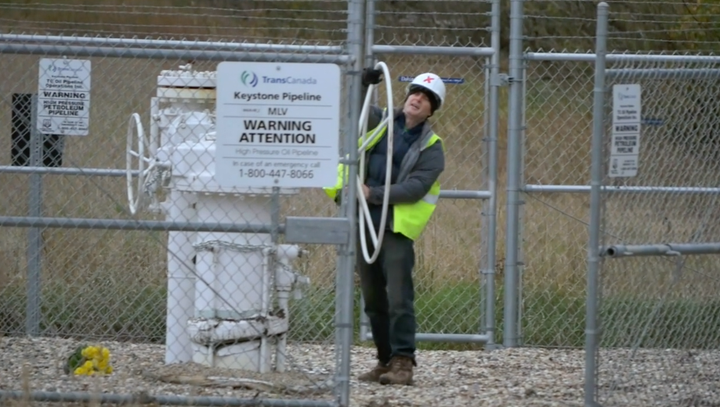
(137, 148)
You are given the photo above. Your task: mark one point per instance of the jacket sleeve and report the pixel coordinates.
(430, 165)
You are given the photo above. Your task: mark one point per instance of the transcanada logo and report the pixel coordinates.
(251, 79)
(289, 80)
(248, 78)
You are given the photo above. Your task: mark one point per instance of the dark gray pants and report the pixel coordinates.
(389, 294)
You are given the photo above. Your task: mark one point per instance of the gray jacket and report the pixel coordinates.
(419, 169)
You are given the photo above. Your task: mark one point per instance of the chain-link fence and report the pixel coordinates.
(263, 21)
(556, 39)
(123, 222)
(653, 217)
(82, 265)
(648, 303)
(634, 25)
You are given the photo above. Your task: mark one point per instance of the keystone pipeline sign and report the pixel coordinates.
(278, 124)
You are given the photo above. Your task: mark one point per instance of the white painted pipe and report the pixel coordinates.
(233, 282)
(181, 280)
(265, 304)
(281, 349)
(154, 125)
(284, 281)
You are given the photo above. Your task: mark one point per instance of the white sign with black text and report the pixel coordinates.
(626, 121)
(64, 96)
(278, 124)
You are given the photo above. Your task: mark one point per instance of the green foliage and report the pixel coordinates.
(75, 360)
(699, 25)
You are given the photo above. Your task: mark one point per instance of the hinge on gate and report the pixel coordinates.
(501, 79)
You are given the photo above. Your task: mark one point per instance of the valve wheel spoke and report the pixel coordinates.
(138, 164)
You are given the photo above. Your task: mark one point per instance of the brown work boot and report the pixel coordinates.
(401, 372)
(375, 373)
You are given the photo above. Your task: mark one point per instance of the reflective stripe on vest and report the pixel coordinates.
(432, 199)
(409, 219)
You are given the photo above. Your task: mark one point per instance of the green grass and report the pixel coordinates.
(556, 319)
(451, 309)
(135, 313)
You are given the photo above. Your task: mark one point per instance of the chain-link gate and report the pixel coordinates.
(654, 316)
(557, 96)
(455, 273)
(548, 172)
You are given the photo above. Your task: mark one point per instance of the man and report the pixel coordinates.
(417, 161)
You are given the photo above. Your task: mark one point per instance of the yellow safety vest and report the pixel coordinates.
(409, 219)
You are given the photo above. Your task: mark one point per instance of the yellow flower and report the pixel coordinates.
(90, 352)
(97, 360)
(86, 369)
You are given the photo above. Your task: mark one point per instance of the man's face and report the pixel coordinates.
(418, 106)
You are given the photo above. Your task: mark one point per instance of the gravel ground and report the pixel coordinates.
(511, 377)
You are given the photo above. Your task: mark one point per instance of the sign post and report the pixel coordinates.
(61, 107)
(278, 124)
(626, 121)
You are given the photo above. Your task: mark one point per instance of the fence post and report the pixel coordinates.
(35, 241)
(369, 61)
(514, 167)
(345, 277)
(491, 205)
(592, 330)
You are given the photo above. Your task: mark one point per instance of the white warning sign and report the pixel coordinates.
(278, 124)
(64, 97)
(625, 133)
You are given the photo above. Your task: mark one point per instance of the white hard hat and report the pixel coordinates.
(431, 82)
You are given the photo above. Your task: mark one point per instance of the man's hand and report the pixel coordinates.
(371, 76)
(366, 192)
